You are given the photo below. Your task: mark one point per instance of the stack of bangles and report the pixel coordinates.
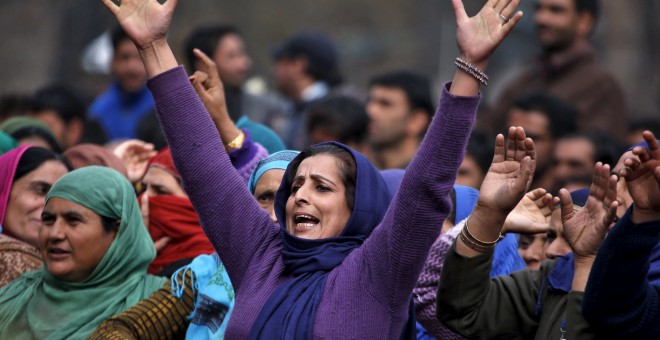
(474, 243)
(471, 70)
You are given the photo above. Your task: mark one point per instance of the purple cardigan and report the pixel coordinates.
(368, 295)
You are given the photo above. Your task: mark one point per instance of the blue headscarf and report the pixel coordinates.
(278, 160)
(290, 311)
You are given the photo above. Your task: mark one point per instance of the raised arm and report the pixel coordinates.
(231, 218)
(398, 247)
(619, 300)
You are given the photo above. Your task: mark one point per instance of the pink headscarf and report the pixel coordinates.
(8, 164)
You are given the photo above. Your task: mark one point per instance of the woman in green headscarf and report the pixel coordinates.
(96, 250)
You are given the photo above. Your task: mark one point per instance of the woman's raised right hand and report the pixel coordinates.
(145, 21)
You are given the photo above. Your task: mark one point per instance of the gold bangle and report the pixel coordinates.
(237, 143)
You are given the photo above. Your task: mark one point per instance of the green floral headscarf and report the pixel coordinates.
(38, 305)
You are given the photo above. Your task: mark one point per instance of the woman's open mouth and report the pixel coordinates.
(304, 222)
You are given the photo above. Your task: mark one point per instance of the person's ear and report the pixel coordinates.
(418, 122)
(74, 132)
(300, 64)
(586, 24)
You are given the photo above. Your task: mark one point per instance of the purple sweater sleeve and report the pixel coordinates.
(426, 289)
(398, 247)
(220, 196)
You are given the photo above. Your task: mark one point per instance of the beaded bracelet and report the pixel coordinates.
(471, 70)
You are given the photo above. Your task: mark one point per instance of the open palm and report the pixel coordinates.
(478, 36)
(585, 230)
(643, 176)
(532, 214)
(145, 21)
(510, 173)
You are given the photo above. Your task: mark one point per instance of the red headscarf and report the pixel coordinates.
(8, 164)
(174, 217)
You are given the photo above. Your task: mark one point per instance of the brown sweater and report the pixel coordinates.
(16, 258)
(576, 77)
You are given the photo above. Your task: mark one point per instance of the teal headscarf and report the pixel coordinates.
(6, 143)
(278, 160)
(39, 305)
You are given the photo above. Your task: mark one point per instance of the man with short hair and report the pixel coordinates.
(306, 70)
(568, 69)
(120, 109)
(64, 111)
(576, 154)
(225, 46)
(400, 108)
(545, 119)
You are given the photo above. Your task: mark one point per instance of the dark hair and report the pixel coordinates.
(36, 131)
(416, 87)
(109, 223)
(33, 158)
(560, 114)
(340, 116)
(62, 99)
(206, 39)
(480, 147)
(589, 6)
(641, 124)
(452, 213)
(320, 52)
(117, 36)
(607, 149)
(346, 162)
(13, 105)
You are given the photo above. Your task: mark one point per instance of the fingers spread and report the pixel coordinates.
(111, 6)
(500, 153)
(511, 144)
(536, 194)
(509, 8)
(459, 10)
(566, 204)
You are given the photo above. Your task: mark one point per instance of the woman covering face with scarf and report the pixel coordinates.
(171, 215)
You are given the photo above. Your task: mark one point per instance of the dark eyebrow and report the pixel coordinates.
(46, 214)
(315, 177)
(321, 178)
(265, 192)
(73, 215)
(38, 182)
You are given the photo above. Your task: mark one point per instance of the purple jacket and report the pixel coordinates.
(368, 295)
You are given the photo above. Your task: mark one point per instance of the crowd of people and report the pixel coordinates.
(181, 204)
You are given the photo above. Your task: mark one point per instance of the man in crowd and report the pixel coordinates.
(306, 70)
(400, 108)
(64, 111)
(120, 109)
(567, 69)
(545, 119)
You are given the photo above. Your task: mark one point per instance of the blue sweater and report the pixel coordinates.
(620, 300)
